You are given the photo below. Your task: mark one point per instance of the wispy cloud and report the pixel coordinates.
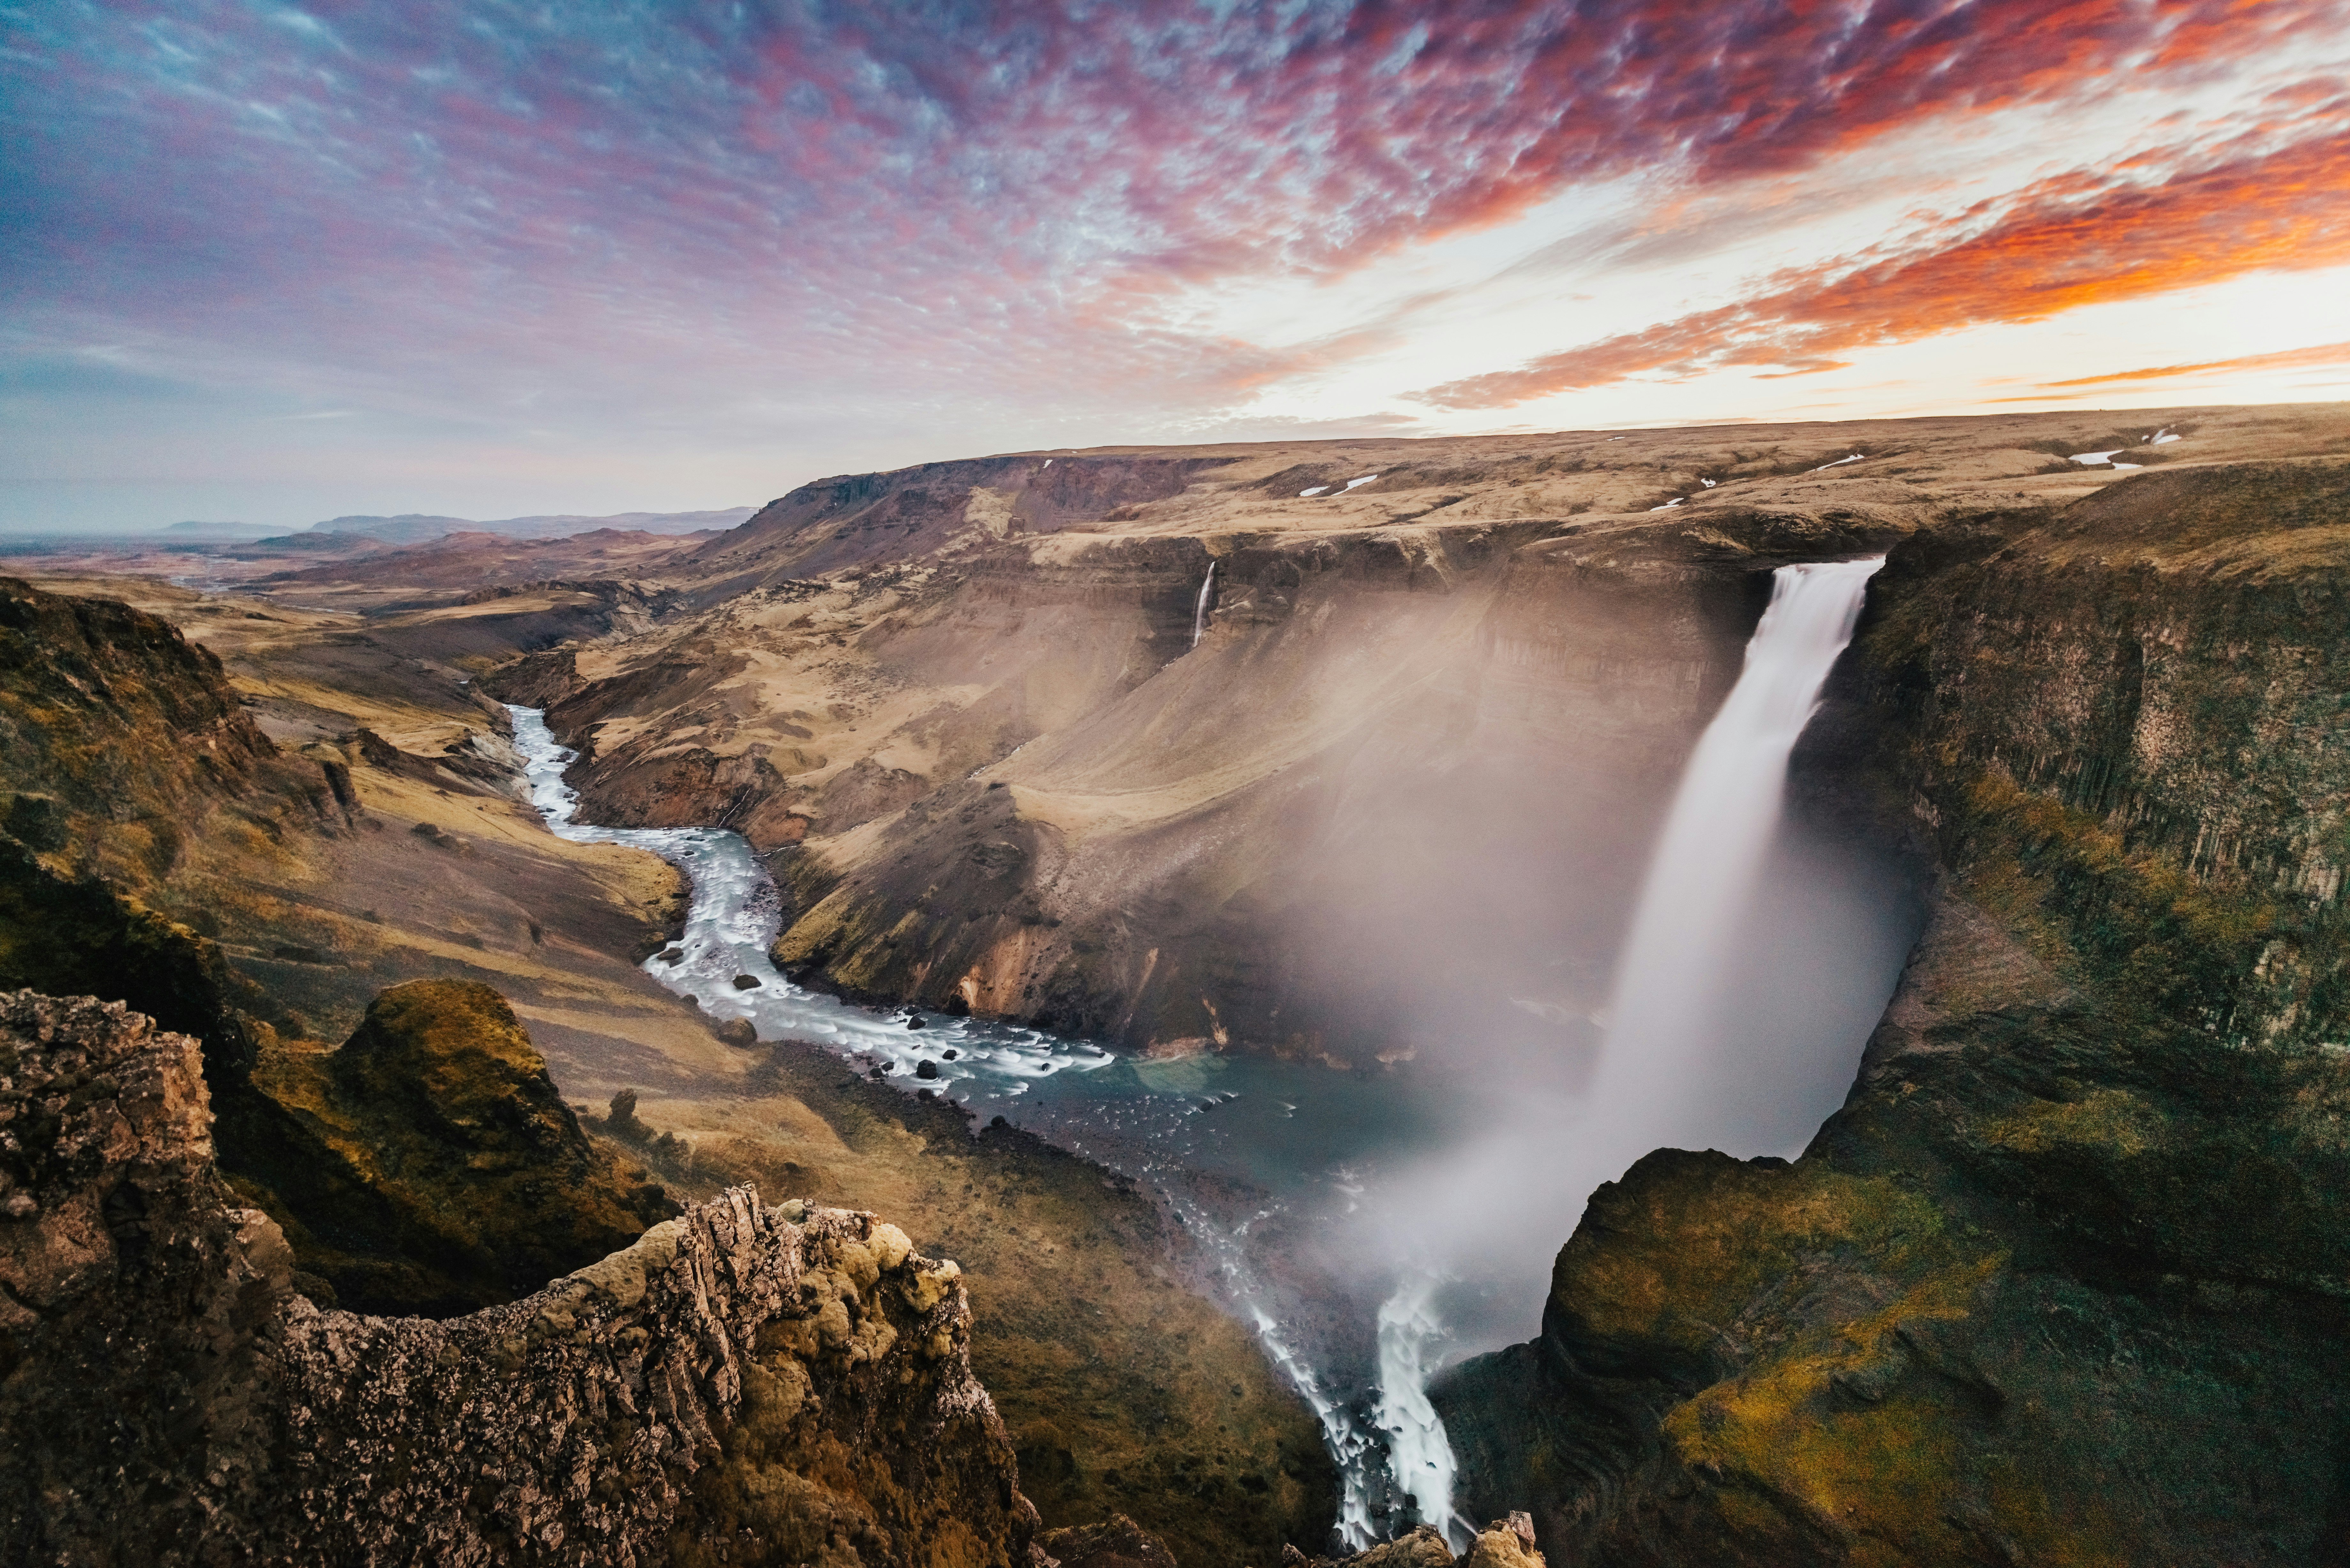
(923, 216)
(2084, 238)
(2288, 360)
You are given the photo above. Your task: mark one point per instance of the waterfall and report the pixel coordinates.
(1702, 880)
(1199, 610)
(1419, 1452)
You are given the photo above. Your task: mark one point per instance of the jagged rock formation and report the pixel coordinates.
(1506, 1543)
(744, 1384)
(2068, 1278)
(428, 1165)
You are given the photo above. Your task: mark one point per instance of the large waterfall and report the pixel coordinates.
(1701, 885)
(1661, 1081)
(1238, 1115)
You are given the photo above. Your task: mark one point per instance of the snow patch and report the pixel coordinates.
(1856, 457)
(2093, 458)
(1668, 505)
(1365, 480)
(1315, 490)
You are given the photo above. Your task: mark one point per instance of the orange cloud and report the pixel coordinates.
(2292, 359)
(2057, 248)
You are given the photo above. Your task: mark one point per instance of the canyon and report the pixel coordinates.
(1336, 760)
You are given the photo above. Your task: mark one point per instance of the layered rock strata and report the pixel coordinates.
(744, 1383)
(2066, 1279)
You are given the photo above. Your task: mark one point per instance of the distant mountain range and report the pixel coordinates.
(415, 528)
(220, 530)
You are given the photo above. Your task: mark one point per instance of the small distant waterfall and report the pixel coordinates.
(1707, 866)
(1199, 610)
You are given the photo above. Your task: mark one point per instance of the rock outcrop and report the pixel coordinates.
(744, 1383)
(2068, 1277)
(428, 1165)
(1506, 1543)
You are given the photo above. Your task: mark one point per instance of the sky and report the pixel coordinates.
(270, 264)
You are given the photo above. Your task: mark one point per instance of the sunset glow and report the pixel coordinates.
(466, 256)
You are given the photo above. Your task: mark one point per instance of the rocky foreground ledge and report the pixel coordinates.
(744, 1384)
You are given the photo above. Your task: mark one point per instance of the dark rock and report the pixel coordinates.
(1118, 1543)
(916, 1021)
(746, 982)
(36, 821)
(728, 1387)
(926, 1068)
(736, 1032)
(2064, 1277)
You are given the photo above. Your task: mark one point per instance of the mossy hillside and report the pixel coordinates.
(429, 1166)
(130, 738)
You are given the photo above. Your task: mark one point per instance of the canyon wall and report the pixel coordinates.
(1404, 773)
(745, 1383)
(2065, 1279)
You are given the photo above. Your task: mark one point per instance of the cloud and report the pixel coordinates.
(2077, 240)
(2290, 359)
(914, 200)
(507, 234)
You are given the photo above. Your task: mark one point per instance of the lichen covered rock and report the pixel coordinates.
(744, 1384)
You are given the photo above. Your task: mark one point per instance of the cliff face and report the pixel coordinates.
(1391, 755)
(742, 1384)
(1440, 692)
(2065, 1279)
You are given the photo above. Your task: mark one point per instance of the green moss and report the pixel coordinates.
(1686, 1242)
(429, 1166)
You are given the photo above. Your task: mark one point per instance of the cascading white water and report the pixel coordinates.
(1420, 1452)
(1650, 1089)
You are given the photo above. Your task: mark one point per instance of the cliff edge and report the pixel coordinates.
(745, 1383)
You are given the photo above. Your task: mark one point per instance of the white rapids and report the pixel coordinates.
(731, 922)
